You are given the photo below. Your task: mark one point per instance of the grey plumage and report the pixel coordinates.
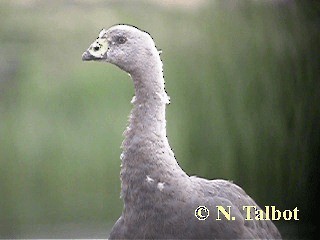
(159, 197)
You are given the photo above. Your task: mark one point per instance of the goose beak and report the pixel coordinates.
(86, 56)
(97, 51)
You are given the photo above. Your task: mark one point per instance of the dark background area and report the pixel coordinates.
(243, 77)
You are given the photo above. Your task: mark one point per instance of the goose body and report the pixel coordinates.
(160, 199)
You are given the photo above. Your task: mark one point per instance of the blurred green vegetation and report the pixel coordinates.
(243, 77)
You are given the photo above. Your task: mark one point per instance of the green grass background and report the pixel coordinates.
(243, 77)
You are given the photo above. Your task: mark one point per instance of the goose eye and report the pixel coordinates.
(121, 40)
(96, 48)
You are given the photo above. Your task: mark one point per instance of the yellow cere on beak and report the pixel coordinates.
(98, 49)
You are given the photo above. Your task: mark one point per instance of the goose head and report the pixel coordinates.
(125, 46)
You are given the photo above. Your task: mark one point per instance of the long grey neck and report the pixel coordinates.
(146, 151)
(149, 105)
(147, 119)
